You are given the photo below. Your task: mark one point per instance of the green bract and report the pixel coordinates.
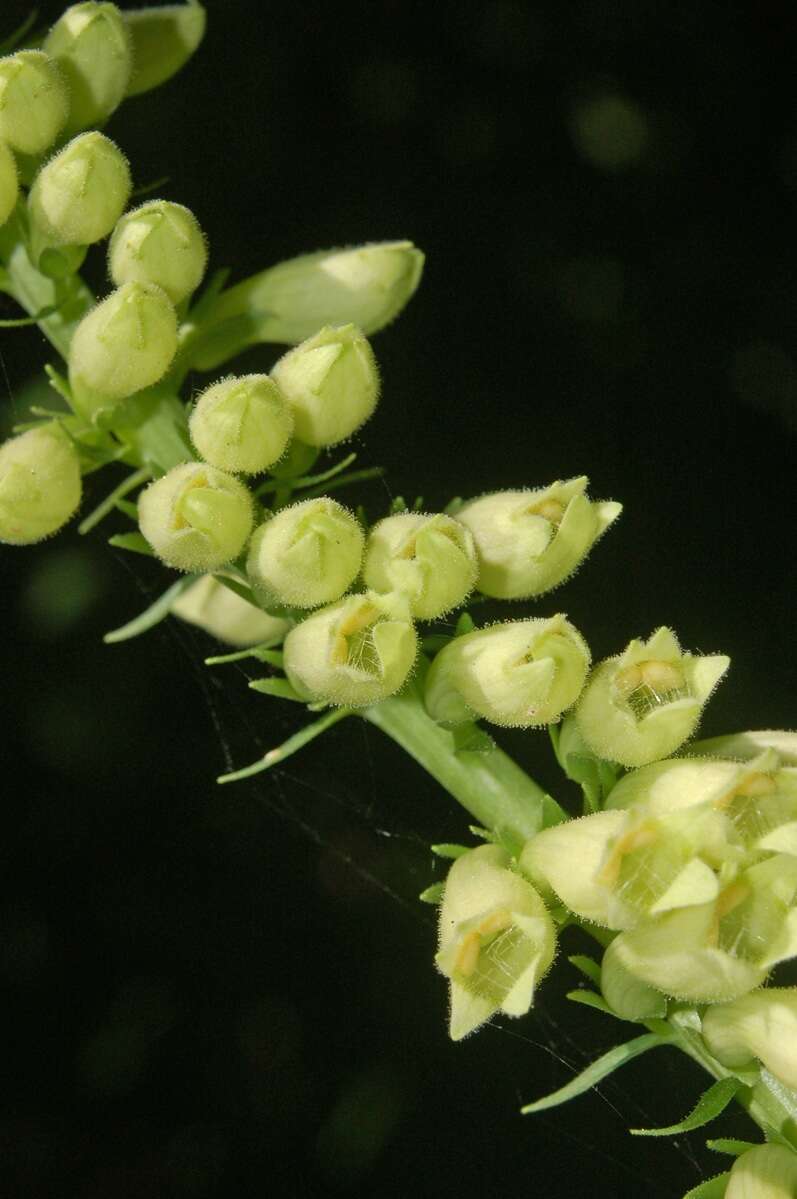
(34, 101)
(79, 195)
(159, 242)
(353, 653)
(163, 40)
(306, 555)
(212, 606)
(91, 45)
(760, 1025)
(9, 183)
(766, 1172)
(39, 484)
(196, 518)
(332, 384)
(124, 344)
(644, 703)
(242, 424)
(496, 939)
(523, 673)
(530, 541)
(430, 558)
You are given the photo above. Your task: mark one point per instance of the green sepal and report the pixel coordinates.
(597, 1071)
(289, 747)
(279, 688)
(730, 1146)
(433, 894)
(588, 967)
(448, 850)
(591, 999)
(163, 40)
(135, 543)
(710, 1105)
(469, 738)
(255, 651)
(712, 1188)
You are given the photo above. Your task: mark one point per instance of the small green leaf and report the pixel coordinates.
(730, 1145)
(255, 651)
(712, 1188)
(134, 542)
(590, 999)
(152, 615)
(307, 480)
(587, 966)
(448, 850)
(291, 746)
(137, 479)
(710, 1104)
(595, 1073)
(398, 505)
(465, 624)
(279, 688)
(469, 738)
(433, 894)
(128, 509)
(353, 476)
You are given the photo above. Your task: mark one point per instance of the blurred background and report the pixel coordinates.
(228, 990)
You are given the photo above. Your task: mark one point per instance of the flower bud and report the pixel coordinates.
(523, 673)
(163, 40)
(431, 559)
(9, 183)
(211, 606)
(643, 704)
(530, 541)
(497, 939)
(367, 286)
(242, 424)
(79, 195)
(91, 45)
(354, 653)
(159, 242)
(308, 554)
(331, 382)
(627, 996)
(34, 101)
(195, 517)
(766, 1172)
(39, 484)
(760, 1025)
(122, 345)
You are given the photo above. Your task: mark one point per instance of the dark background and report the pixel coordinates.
(216, 991)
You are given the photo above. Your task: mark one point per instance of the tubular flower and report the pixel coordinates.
(530, 541)
(643, 704)
(39, 484)
(353, 653)
(308, 554)
(522, 674)
(211, 606)
(242, 424)
(497, 939)
(195, 517)
(431, 559)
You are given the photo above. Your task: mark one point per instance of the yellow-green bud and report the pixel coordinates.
(308, 554)
(354, 653)
(332, 383)
(9, 183)
(522, 674)
(218, 610)
(195, 517)
(34, 101)
(79, 195)
(91, 45)
(760, 1025)
(163, 41)
(431, 559)
(497, 939)
(159, 242)
(766, 1172)
(568, 859)
(531, 541)
(626, 995)
(242, 424)
(39, 484)
(643, 704)
(122, 345)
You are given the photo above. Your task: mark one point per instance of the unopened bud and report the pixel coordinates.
(530, 541)
(308, 554)
(354, 653)
(218, 610)
(766, 1172)
(431, 559)
(497, 939)
(121, 346)
(195, 517)
(242, 424)
(523, 673)
(332, 383)
(160, 242)
(34, 101)
(642, 705)
(760, 1025)
(9, 183)
(39, 484)
(91, 45)
(79, 195)
(626, 995)
(163, 41)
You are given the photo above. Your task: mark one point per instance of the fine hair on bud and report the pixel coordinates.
(34, 101)
(306, 555)
(353, 653)
(431, 558)
(331, 382)
(531, 541)
(78, 196)
(242, 424)
(159, 242)
(91, 45)
(195, 517)
(9, 183)
(39, 484)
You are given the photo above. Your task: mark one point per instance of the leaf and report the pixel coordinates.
(587, 966)
(294, 743)
(137, 479)
(136, 543)
(254, 651)
(730, 1145)
(712, 1188)
(152, 615)
(469, 738)
(448, 850)
(595, 1073)
(128, 509)
(710, 1104)
(279, 688)
(590, 999)
(433, 894)
(306, 480)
